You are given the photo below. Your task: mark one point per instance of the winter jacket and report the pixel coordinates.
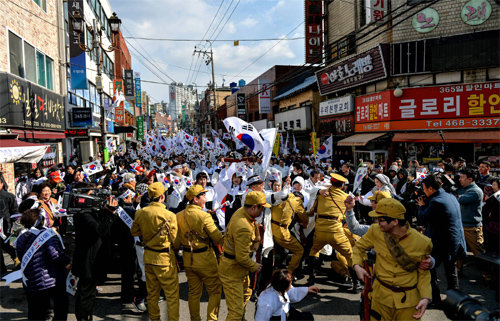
(8, 207)
(91, 242)
(470, 198)
(441, 215)
(47, 266)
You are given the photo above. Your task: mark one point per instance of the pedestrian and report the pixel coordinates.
(45, 269)
(484, 177)
(401, 290)
(158, 229)
(8, 207)
(241, 239)
(197, 234)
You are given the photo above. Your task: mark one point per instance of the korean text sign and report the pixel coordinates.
(475, 105)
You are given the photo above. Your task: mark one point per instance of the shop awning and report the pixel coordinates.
(487, 136)
(13, 150)
(359, 139)
(38, 134)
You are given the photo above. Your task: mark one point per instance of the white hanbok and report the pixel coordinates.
(271, 303)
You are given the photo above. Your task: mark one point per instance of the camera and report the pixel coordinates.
(79, 200)
(460, 306)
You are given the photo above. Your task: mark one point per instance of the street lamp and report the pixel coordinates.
(78, 24)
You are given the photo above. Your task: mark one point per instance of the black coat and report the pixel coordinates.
(92, 234)
(8, 207)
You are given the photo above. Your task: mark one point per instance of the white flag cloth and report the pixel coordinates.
(286, 149)
(118, 98)
(247, 134)
(226, 136)
(219, 203)
(207, 144)
(214, 133)
(220, 146)
(295, 149)
(92, 168)
(325, 151)
(360, 173)
(269, 136)
(162, 178)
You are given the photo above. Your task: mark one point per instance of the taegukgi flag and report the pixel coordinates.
(92, 168)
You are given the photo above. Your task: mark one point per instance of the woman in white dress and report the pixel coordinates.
(274, 301)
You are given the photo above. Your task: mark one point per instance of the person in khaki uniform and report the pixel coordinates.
(196, 229)
(241, 239)
(330, 209)
(158, 228)
(281, 218)
(401, 289)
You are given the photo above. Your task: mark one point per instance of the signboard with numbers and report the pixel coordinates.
(461, 106)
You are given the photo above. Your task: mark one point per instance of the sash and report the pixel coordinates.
(399, 254)
(124, 217)
(43, 236)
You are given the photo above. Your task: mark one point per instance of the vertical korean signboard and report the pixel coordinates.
(138, 95)
(241, 106)
(128, 84)
(314, 31)
(264, 97)
(119, 110)
(78, 70)
(376, 10)
(140, 128)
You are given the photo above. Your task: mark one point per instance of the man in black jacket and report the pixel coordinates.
(92, 231)
(8, 207)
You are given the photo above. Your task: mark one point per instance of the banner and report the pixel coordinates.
(128, 84)
(314, 143)
(140, 128)
(264, 97)
(276, 148)
(92, 168)
(360, 173)
(325, 151)
(78, 69)
(138, 93)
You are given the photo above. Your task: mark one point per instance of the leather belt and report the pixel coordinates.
(328, 217)
(229, 256)
(398, 289)
(187, 249)
(278, 223)
(165, 250)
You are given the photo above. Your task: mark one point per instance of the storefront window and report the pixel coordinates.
(41, 68)
(16, 55)
(29, 58)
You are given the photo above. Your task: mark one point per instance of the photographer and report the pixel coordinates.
(440, 212)
(92, 230)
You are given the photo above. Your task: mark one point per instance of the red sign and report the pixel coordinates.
(76, 132)
(361, 69)
(119, 115)
(314, 31)
(454, 106)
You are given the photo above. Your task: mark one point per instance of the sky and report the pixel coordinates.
(192, 19)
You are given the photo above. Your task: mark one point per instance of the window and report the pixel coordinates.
(16, 55)
(40, 64)
(410, 57)
(49, 65)
(29, 58)
(42, 4)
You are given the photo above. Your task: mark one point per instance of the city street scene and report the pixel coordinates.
(249, 160)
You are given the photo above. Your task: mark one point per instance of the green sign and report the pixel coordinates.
(140, 127)
(106, 155)
(475, 12)
(425, 20)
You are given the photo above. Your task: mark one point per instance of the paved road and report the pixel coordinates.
(329, 304)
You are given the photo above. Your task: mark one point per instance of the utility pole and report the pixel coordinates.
(210, 56)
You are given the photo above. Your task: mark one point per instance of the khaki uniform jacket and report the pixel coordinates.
(416, 245)
(146, 223)
(327, 206)
(283, 213)
(194, 219)
(242, 237)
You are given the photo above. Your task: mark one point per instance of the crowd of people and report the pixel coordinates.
(251, 230)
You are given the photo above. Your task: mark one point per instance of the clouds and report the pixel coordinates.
(190, 19)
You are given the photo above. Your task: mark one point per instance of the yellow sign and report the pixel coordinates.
(276, 148)
(314, 143)
(431, 160)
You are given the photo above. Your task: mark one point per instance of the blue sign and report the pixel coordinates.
(78, 70)
(129, 107)
(138, 96)
(111, 127)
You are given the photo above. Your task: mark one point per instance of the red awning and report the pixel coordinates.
(16, 143)
(486, 136)
(38, 134)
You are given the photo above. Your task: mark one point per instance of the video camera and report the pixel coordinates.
(460, 306)
(79, 200)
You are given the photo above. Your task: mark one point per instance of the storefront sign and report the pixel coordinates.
(336, 106)
(474, 105)
(377, 10)
(129, 119)
(78, 71)
(140, 127)
(25, 104)
(240, 102)
(295, 119)
(138, 95)
(128, 84)
(314, 31)
(111, 127)
(77, 132)
(425, 20)
(338, 125)
(82, 117)
(364, 68)
(119, 115)
(475, 12)
(264, 97)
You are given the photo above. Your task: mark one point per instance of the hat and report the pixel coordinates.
(393, 168)
(255, 179)
(155, 190)
(194, 191)
(461, 159)
(128, 177)
(379, 195)
(389, 207)
(256, 198)
(338, 178)
(55, 176)
(139, 169)
(383, 179)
